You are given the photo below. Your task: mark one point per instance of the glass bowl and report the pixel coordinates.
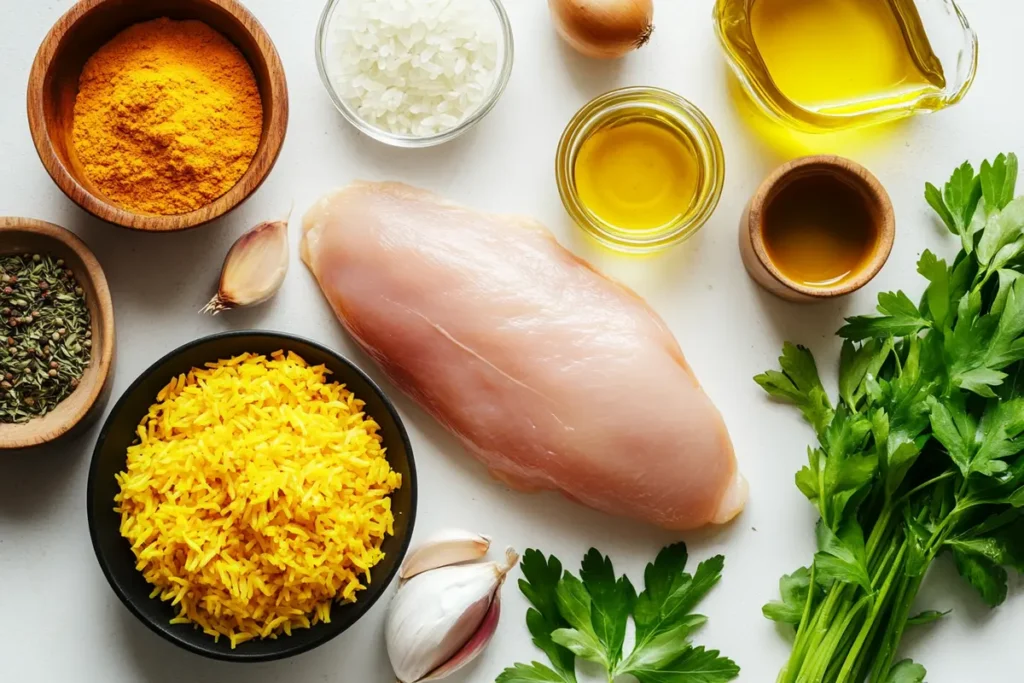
(506, 52)
(657, 105)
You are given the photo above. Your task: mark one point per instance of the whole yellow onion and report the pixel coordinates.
(606, 29)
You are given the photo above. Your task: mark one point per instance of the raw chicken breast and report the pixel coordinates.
(550, 373)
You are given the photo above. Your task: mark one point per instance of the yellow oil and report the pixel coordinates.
(640, 174)
(783, 143)
(832, 63)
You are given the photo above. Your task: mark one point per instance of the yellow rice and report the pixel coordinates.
(257, 494)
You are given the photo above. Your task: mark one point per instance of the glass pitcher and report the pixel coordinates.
(823, 65)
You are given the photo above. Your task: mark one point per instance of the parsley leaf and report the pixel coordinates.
(530, 673)
(982, 346)
(987, 577)
(956, 429)
(979, 447)
(663, 619)
(591, 613)
(906, 672)
(933, 196)
(859, 364)
(900, 318)
(999, 180)
(1007, 280)
(539, 586)
(576, 605)
(694, 665)
(1002, 238)
(799, 384)
(927, 617)
(794, 589)
(1004, 547)
(612, 602)
(841, 557)
(841, 468)
(937, 295)
(957, 202)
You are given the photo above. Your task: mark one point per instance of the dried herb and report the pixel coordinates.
(45, 335)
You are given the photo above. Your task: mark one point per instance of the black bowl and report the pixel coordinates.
(110, 457)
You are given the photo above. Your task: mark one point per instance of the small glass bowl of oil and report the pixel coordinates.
(640, 169)
(820, 65)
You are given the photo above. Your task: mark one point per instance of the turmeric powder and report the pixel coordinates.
(167, 118)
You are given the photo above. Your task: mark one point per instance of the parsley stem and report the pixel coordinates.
(868, 629)
(881, 533)
(921, 487)
(822, 619)
(801, 630)
(897, 625)
(825, 654)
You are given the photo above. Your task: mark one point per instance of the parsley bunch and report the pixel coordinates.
(586, 617)
(923, 452)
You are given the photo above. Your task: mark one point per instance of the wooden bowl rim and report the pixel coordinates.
(378, 588)
(263, 161)
(831, 165)
(103, 360)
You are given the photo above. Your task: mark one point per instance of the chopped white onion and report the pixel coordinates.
(414, 67)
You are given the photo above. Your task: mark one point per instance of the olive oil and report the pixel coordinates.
(841, 55)
(819, 230)
(639, 169)
(639, 174)
(825, 64)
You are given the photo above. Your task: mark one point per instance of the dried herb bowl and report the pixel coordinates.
(86, 402)
(110, 457)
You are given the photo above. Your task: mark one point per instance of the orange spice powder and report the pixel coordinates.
(168, 117)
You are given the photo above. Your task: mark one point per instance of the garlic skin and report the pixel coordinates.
(444, 548)
(480, 640)
(443, 618)
(254, 268)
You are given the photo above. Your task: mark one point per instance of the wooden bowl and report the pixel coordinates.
(53, 87)
(752, 247)
(26, 235)
(111, 455)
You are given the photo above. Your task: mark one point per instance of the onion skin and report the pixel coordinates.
(603, 29)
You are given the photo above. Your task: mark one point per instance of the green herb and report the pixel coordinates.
(586, 617)
(922, 453)
(46, 338)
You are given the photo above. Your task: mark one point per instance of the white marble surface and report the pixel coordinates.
(61, 623)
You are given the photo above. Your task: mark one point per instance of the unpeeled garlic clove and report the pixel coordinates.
(477, 643)
(447, 547)
(254, 268)
(442, 619)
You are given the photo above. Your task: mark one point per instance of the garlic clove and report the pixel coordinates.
(472, 649)
(254, 268)
(434, 615)
(447, 547)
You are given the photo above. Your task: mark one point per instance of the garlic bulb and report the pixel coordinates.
(451, 546)
(254, 268)
(441, 619)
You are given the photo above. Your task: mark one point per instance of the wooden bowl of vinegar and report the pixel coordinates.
(90, 24)
(86, 402)
(837, 172)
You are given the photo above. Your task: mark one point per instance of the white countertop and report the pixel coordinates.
(59, 620)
